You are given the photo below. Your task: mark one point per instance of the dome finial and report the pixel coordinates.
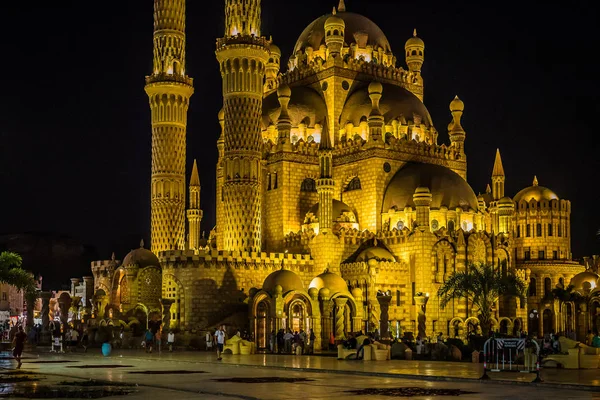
(342, 6)
(415, 32)
(488, 189)
(112, 257)
(535, 181)
(333, 12)
(142, 244)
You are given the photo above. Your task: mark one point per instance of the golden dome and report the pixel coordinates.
(584, 282)
(287, 279)
(396, 102)
(306, 106)
(505, 201)
(334, 20)
(535, 192)
(314, 34)
(414, 41)
(446, 186)
(377, 253)
(457, 104)
(335, 283)
(142, 258)
(275, 50)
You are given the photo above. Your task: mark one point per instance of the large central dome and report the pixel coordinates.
(314, 34)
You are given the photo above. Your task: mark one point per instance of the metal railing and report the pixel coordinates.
(511, 355)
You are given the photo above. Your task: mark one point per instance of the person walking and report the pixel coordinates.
(149, 337)
(220, 341)
(171, 340)
(158, 339)
(209, 341)
(19, 342)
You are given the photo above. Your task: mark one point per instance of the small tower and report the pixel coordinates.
(375, 120)
(455, 130)
(422, 199)
(334, 34)
(169, 90)
(498, 177)
(242, 55)
(273, 66)
(284, 122)
(325, 183)
(194, 213)
(220, 181)
(415, 53)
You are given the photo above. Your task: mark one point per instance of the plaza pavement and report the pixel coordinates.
(585, 379)
(329, 379)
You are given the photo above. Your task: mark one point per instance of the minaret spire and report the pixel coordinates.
(169, 90)
(325, 183)
(498, 177)
(535, 180)
(342, 6)
(242, 45)
(194, 213)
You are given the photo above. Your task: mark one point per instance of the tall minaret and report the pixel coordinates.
(194, 213)
(169, 90)
(325, 183)
(242, 54)
(455, 130)
(498, 177)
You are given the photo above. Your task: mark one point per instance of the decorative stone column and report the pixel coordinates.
(340, 307)
(421, 304)
(166, 312)
(384, 304)
(64, 303)
(326, 306)
(357, 320)
(74, 284)
(315, 320)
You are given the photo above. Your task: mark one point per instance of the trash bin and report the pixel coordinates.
(106, 349)
(408, 354)
(475, 356)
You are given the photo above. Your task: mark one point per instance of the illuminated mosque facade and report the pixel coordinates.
(338, 209)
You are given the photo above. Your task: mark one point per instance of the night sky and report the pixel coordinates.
(75, 122)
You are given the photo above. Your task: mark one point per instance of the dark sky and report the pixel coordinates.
(75, 122)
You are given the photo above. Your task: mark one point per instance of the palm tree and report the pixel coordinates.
(12, 273)
(484, 285)
(564, 295)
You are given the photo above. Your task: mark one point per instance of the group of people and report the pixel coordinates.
(153, 339)
(288, 342)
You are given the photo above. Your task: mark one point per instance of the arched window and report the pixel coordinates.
(308, 185)
(451, 226)
(547, 286)
(550, 233)
(275, 180)
(538, 230)
(518, 230)
(353, 185)
(532, 287)
(414, 53)
(336, 32)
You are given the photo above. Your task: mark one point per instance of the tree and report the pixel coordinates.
(12, 273)
(564, 295)
(483, 284)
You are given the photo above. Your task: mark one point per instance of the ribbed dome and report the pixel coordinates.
(584, 281)
(331, 281)
(288, 280)
(314, 34)
(535, 192)
(305, 105)
(446, 186)
(142, 258)
(378, 253)
(395, 102)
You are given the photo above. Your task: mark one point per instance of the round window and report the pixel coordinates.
(345, 85)
(387, 167)
(324, 86)
(400, 225)
(435, 225)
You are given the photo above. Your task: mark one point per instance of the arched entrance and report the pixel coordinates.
(297, 315)
(262, 324)
(516, 331)
(533, 322)
(173, 290)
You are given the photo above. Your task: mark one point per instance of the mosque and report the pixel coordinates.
(337, 209)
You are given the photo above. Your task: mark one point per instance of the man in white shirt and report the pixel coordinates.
(220, 341)
(171, 340)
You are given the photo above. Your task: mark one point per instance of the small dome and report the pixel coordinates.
(447, 188)
(414, 41)
(329, 280)
(221, 114)
(334, 20)
(505, 201)
(284, 91)
(536, 192)
(142, 258)
(275, 50)
(287, 279)
(377, 253)
(457, 104)
(314, 34)
(584, 282)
